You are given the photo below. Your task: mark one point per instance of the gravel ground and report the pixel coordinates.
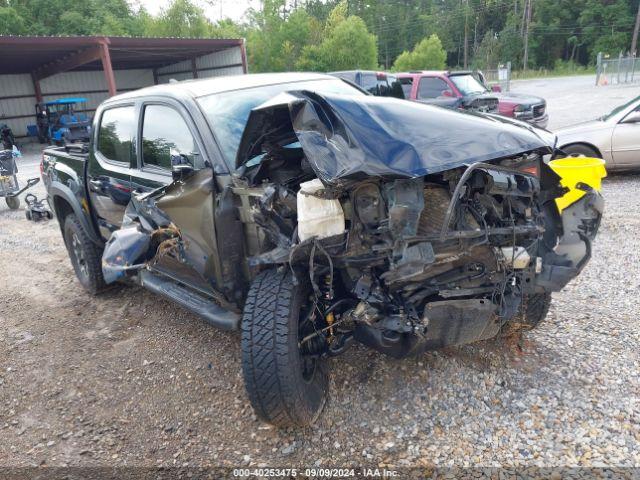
(127, 379)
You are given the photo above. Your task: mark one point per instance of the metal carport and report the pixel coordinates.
(33, 69)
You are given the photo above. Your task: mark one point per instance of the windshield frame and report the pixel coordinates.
(454, 77)
(295, 85)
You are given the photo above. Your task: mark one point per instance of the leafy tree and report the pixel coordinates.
(488, 52)
(11, 23)
(182, 19)
(273, 41)
(606, 26)
(76, 17)
(347, 45)
(227, 29)
(335, 34)
(427, 55)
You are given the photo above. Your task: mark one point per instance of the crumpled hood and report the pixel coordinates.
(351, 137)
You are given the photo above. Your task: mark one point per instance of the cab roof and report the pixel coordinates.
(447, 73)
(210, 86)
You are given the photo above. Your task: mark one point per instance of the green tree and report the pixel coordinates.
(11, 23)
(77, 17)
(182, 19)
(427, 55)
(487, 54)
(347, 45)
(275, 40)
(227, 29)
(606, 26)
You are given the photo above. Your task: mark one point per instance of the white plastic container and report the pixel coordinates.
(317, 217)
(519, 256)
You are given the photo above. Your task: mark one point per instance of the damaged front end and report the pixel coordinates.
(410, 239)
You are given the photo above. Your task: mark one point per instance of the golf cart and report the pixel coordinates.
(63, 121)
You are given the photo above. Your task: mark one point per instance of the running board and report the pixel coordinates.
(207, 309)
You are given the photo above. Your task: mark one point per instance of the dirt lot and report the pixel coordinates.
(129, 379)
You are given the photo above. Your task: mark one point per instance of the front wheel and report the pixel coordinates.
(286, 386)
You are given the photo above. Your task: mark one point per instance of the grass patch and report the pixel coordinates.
(561, 69)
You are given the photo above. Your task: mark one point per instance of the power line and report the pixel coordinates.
(458, 14)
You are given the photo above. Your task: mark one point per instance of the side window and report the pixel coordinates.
(116, 133)
(431, 87)
(394, 87)
(406, 84)
(369, 83)
(166, 139)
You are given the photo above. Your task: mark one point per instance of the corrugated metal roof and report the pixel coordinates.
(27, 54)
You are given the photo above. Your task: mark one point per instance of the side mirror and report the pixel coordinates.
(447, 93)
(181, 172)
(496, 88)
(633, 117)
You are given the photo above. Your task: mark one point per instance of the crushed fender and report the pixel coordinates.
(146, 235)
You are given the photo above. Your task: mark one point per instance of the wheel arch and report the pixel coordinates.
(64, 202)
(584, 144)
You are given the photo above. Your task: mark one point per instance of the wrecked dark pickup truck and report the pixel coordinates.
(308, 215)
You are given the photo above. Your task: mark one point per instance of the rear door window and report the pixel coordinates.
(116, 134)
(432, 87)
(406, 84)
(167, 139)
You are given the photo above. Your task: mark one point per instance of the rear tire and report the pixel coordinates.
(13, 202)
(579, 149)
(532, 312)
(86, 256)
(27, 214)
(284, 388)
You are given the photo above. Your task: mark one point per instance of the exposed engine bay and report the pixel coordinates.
(404, 265)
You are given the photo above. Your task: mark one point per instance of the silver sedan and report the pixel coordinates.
(615, 137)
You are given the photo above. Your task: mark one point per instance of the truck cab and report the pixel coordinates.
(439, 88)
(380, 84)
(466, 90)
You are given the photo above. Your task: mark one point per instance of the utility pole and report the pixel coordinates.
(634, 41)
(525, 60)
(466, 34)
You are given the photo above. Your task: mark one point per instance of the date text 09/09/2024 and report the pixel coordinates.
(315, 472)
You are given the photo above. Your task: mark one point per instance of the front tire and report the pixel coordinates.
(86, 256)
(532, 312)
(285, 387)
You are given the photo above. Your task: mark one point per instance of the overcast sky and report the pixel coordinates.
(214, 9)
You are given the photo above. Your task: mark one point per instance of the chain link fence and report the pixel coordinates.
(498, 76)
(612, 71)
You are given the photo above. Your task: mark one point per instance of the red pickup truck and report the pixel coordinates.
(463, 90)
